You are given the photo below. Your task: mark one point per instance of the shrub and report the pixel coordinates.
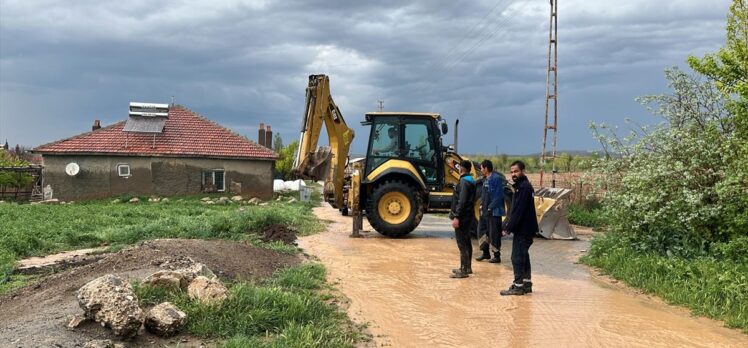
(664, 191)
(586, 215)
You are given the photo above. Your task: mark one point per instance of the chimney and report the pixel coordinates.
(96, 125)
(261, 135)
(269, 138)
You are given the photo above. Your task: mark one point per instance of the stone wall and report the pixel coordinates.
(162, 176)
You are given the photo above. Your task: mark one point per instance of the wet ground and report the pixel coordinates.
(401, 287)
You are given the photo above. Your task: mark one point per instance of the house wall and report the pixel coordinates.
(162, 176)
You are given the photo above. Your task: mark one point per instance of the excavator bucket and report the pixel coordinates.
(316, 165)
(552, 208)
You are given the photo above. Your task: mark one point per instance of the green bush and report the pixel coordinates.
(13, 179)
(586, 216)
(664, 189)
(284, 163)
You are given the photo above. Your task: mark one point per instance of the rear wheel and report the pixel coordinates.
(394, 209)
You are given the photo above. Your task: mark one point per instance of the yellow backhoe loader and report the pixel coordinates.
(406, 172)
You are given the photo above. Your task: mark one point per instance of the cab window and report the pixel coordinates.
(417, 143)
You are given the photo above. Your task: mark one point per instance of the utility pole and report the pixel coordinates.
(381, 105)
(551, 93)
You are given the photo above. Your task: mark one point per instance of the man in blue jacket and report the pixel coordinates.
(492, 209)
(463, 219)
(523, 223)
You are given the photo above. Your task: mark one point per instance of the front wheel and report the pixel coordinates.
(394, 209)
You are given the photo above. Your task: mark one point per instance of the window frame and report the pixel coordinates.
(212, 174)
(120, 166)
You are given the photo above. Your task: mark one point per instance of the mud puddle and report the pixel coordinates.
(402, 289)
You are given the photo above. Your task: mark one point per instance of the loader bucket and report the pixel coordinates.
(551, 209)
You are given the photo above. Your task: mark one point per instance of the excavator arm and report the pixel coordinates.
(323, 163)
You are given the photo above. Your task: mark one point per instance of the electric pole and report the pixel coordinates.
(551, 93)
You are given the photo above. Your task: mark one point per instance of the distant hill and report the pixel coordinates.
(582, 153)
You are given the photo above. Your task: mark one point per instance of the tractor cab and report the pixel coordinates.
(414, 139)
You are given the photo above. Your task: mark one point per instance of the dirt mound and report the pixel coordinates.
(281, 233)
(38, 315)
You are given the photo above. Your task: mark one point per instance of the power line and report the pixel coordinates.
(501, 27)
(470, 32)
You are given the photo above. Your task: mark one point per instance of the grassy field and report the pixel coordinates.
(35, 230)
(713, 286)
(292, 309)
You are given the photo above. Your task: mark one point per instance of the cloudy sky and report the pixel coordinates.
(65, 63)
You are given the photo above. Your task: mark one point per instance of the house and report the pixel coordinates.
(159, 150)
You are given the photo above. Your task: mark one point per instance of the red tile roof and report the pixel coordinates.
(186, 134)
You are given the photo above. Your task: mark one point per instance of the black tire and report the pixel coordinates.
(344, 211)
(386, 228)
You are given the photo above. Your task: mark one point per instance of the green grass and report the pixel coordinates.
(288, 310)
(586, 215)
(16, 281)
(36, 230)
(713, 286)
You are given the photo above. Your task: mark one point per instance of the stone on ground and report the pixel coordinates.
(207, 290)
(110, 301)
(165, 320)
(167, 279)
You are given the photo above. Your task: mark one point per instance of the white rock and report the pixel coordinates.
(207, 290)
(168, 279)
(110, 301)
(165, 320)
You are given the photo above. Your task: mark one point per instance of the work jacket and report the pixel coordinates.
(522, 218)
(463, 200)
(492, 196)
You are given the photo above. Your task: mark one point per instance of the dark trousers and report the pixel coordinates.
(462, 235)
(521, 258)
(491, 226)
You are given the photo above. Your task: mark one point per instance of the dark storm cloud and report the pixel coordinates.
(244, 62)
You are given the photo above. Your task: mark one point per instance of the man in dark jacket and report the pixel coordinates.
(463, 219)
(492, 209)
(524, 225)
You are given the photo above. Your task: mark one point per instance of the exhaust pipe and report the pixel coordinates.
(457, 123)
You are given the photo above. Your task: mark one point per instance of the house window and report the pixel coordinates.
(123, 170)
(214, 180)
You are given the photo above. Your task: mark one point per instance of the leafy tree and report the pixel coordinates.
(277, 142)
(728, 67)
(284, 163)
(13, 179)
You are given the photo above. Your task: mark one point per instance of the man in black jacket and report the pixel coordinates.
(463, 219)
(524, 225)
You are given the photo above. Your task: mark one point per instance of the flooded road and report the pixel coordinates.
(401, 287)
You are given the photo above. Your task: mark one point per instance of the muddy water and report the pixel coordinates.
(401, 287)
